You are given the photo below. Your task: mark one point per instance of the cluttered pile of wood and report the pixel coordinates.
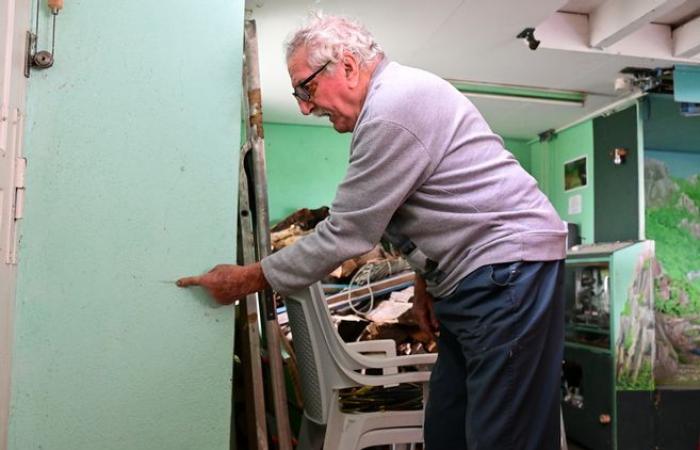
(369, 296)
(302, 222)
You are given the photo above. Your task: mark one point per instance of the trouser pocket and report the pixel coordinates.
(480, 311)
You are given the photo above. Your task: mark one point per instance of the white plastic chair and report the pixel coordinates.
(327, 364)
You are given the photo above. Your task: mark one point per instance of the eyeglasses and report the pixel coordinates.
(301, 91)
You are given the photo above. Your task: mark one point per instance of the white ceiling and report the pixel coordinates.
(475, 41)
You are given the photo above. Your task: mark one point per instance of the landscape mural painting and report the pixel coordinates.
(672, 189)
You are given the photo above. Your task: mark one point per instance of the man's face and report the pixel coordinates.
(331, 92)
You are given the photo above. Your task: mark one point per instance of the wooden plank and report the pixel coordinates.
(250, 331)
(262, 233)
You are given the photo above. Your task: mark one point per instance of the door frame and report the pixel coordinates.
(16, 15)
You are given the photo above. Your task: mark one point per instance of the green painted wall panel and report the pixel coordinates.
(305, 164)
(617, 203)
(569, 145)
(132, 142)
(547, 166)
(539, 164)
(520, 150)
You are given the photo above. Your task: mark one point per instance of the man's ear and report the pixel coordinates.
(351, 69)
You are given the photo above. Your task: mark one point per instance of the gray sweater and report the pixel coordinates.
(423, 157)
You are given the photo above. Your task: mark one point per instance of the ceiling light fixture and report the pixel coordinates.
(520, 93)
(528, 35)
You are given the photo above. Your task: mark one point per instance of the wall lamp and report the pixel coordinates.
(528, 35)
(619, 155)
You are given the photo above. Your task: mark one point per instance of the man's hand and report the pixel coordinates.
(226, 283)
(423, 308)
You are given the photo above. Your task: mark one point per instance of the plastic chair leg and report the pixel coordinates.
(311, 435)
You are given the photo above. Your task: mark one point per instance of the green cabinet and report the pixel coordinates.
(609, 347)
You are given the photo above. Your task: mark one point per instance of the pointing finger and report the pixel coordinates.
(189, 281)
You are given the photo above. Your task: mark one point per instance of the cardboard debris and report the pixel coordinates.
(405, 295)
(392, 318)
(388, 311)
(404, 335)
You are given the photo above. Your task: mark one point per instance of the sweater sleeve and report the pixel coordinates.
(387, 164)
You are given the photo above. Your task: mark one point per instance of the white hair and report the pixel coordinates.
(327, 37)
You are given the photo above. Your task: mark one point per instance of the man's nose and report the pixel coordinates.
(305, 107)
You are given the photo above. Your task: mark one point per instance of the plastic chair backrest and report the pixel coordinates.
(339, 350)
(311, 325)
(306, 347)
(325, 361)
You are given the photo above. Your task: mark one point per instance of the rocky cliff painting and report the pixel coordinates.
(672, 189)
(635, 343)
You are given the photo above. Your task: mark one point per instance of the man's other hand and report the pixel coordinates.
(423, 308)
(227, 283)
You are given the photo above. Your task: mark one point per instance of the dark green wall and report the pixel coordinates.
(665, 128)
(616, 186)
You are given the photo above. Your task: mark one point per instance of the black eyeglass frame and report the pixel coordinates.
(300, 90)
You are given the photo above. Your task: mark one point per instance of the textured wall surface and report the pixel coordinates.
(132, 141)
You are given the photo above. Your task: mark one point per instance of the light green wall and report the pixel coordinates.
(547, 166)
(132, 142)
(540, 162)
(305, 164)
(521, 150)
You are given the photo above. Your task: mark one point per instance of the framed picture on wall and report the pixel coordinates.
(575, 173)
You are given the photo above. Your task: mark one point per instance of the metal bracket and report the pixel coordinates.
(42, 59)
(17, 210)
(20, 170)
(17, 197)
(28, 57)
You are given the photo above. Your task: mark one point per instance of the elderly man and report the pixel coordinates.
(487, 246)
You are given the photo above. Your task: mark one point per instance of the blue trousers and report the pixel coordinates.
(496, 382)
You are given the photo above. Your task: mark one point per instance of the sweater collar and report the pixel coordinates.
(377, 72)
(373, 82)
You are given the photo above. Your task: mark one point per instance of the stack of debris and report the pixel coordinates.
(295, 226)
(383, 261)
(379, 310)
